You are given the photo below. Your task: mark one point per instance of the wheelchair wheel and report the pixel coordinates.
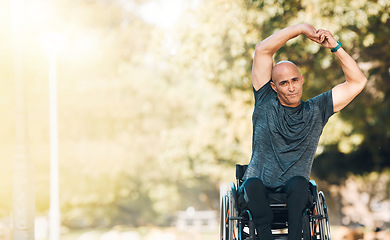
(227, 211)
(224, 230)
(320, 223)
(324, 222)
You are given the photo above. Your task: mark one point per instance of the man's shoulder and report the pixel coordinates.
(264, 94)
(321, 97)
(322, 104)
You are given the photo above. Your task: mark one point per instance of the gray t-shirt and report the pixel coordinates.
(285, 139)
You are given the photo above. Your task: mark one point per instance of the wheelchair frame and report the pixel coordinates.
(237, 225)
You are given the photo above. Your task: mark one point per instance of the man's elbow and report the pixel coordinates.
(358, 82)
(359, 85)
(363, 83)
(261, 48)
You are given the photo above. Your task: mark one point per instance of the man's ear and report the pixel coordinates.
(273, 86)
(302, 78)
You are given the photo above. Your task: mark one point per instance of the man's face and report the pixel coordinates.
(287, 83)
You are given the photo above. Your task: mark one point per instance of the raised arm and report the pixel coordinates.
(263, 59)
(355, 81)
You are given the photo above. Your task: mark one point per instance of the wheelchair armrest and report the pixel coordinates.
(314, 192)
(313, 189)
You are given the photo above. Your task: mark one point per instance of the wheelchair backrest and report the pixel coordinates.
(240, 171)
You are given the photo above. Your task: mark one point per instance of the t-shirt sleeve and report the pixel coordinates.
(325, 105)
(264, 93)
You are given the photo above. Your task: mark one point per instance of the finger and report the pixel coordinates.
(317, 40)
(326, 33)
(322, 37)
(315, 37)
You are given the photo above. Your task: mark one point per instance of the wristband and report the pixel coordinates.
(336, 48)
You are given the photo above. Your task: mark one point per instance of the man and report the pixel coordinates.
(286, 130)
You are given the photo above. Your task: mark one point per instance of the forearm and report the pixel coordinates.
(274, 42)
(355, 82)
(351, 70)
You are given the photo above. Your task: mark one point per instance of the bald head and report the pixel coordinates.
(287, 82)
(282, 68)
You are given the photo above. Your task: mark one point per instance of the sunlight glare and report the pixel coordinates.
(17, 13)
(164, 13)
(53, 42)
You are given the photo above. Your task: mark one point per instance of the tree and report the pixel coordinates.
(218, 45)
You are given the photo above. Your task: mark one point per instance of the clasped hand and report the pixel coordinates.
(320, 36)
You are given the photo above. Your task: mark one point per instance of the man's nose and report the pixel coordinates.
(291, 87)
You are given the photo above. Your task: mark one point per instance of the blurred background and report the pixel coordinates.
(154, 105)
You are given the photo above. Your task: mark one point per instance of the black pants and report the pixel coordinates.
(254, 192)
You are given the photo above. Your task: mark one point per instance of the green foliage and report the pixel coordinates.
(232, 30)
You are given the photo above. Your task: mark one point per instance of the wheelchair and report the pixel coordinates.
(237, 224)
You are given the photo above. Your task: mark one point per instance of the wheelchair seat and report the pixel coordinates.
(275, 198)
(236, 217)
